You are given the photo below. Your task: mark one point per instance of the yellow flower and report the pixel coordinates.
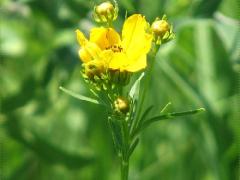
(128, 53)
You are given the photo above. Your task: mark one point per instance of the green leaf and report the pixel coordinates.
(134, 92)
(117, 141)
(170, 116)
(79, 96)
(45, 149)
(116, 133)
(165, 107)
(230, 8)
(133, 146)
(141, 120)
(146, 112)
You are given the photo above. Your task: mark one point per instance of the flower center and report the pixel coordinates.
(115, 48)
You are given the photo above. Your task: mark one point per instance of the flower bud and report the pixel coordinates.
(104, 8)
(162, 30)
(121, 105)
(160, 27)
(105, 12)
(94, 68)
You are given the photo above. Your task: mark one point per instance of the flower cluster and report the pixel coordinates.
(110, 59)
(106, 52)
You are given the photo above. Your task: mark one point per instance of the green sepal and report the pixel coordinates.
(104, 86)
(164, 17)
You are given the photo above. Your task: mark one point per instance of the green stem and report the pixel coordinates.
(124, 169)
(120, 133)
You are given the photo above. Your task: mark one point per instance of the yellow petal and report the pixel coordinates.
(139, 64)
(106, 56)
(89, 51)
(81, 38)
(104, 37)
(84, 55)
(136, 40)
(119, 61)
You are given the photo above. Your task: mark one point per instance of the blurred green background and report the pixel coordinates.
(46, 134)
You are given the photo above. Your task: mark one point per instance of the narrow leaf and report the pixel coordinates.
(165, 107)
(133, 146)
(79, 96)
(134, 92)
(171, 115)
(146, 112)
(139, 124)
(116, 142)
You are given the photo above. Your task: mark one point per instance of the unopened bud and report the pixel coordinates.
(94, 68)
(121, 105)
(105, 12)
(162, 30)
(160, 27)
(104, 8)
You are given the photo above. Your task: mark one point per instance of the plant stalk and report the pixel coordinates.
(124, 169)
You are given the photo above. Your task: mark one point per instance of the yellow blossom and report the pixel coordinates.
(126, 53)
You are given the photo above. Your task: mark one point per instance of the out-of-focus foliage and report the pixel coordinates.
(46, 134)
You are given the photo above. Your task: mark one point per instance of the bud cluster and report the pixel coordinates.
(100, 79)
